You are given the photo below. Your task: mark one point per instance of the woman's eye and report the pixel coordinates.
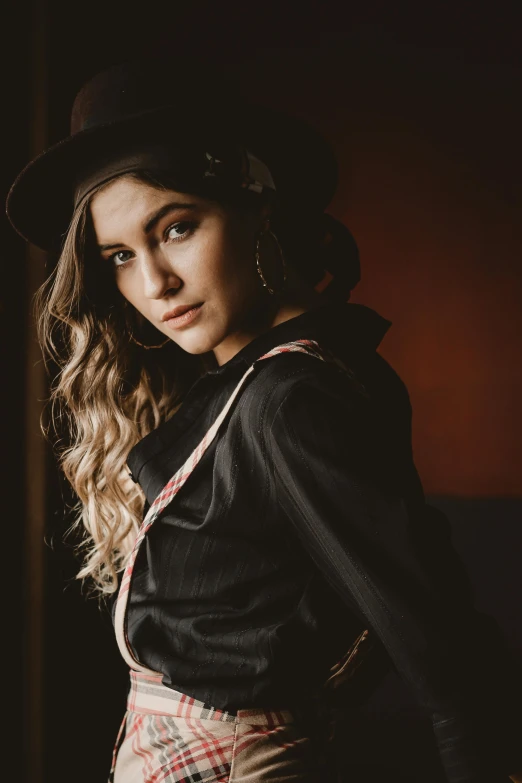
(120, 257)
(178, 231)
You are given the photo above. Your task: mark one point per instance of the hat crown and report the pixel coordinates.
(139, 87)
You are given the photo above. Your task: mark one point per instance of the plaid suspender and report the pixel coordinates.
(172, 488)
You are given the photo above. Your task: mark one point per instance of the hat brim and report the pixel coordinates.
(40, 201)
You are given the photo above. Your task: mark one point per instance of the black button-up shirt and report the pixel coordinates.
(304, 523)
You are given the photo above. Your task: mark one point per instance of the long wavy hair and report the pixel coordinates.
(108, 393)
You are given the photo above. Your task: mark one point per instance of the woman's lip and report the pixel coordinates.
(185, 318)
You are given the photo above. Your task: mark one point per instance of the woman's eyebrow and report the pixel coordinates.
(164, 210)
(154, 219)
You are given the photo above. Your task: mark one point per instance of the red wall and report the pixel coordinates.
(441, 260)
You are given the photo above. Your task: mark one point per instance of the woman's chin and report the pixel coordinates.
(198, 344)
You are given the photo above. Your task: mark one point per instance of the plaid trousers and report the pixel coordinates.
(169, 737)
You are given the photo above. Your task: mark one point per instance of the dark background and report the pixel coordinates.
(422, 104)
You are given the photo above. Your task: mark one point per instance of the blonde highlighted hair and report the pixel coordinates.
(108, 393)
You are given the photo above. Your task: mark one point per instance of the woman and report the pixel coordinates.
(199, 346)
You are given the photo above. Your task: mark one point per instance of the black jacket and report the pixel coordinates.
(305, 522)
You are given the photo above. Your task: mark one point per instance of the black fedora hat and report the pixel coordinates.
(178, 102)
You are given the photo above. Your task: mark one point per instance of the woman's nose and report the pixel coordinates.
(158, 276)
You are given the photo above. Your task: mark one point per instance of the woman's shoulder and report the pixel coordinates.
(278, 375)
(280, 380)
(343, 385)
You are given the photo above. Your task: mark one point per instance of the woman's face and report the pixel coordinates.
(173, 250)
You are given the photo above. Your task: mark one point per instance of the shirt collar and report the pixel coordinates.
(348, 325)
(340, 322)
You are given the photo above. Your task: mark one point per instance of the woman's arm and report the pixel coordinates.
(398, 569)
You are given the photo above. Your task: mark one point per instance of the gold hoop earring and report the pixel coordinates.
(148, 347)
(258, 263)
(128, 329)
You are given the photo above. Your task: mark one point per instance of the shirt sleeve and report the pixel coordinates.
(345, 492)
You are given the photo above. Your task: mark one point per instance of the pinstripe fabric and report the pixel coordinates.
(223, 600)
(172, 488)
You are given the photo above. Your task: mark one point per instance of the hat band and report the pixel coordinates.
(251, 173)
